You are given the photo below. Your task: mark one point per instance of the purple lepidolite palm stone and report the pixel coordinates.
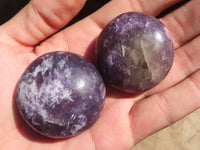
(60, 94)
(134, 52)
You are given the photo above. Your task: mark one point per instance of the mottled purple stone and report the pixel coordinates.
(134, 52)
(60, 94)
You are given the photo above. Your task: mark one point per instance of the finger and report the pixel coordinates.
(184, 23)
(38, 20)
(151, 7)
(165, 108)
(80, 37)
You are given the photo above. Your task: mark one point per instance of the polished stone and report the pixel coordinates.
(134, 52)
(60, 94)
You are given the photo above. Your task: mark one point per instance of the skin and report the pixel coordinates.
(126, 118)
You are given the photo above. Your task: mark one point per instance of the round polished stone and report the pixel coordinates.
(134, 52)
(60, 94)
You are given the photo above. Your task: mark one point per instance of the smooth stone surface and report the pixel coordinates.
(134, 52)
(60, 94)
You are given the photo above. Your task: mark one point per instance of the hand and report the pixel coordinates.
(126, 118)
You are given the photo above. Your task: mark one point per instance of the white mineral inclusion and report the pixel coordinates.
(33, 103)
(82, 120)
(149, 43)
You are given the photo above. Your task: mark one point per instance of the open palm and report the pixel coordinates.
(126, 118)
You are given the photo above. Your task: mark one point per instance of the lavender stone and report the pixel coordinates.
(134, 52)
(60, 94)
